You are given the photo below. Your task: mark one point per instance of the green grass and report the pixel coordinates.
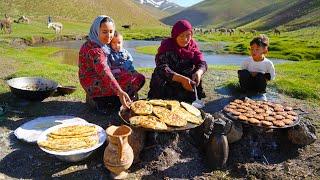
(152, 50)
(295, 46)
(300, 80)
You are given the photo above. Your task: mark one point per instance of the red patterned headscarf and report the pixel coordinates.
(191, 51)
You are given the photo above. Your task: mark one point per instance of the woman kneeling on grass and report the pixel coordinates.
(179, 66)
(106, 89)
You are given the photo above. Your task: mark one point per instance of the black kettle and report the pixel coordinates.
(217, 150)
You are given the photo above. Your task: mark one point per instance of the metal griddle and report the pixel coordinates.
(125, 114)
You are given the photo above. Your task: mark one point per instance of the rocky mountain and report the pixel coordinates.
(163, 5)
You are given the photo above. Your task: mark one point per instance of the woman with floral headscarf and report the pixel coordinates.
(104, 88)
(179, 66)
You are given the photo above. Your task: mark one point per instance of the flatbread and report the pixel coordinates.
(74, 130)
(69, 144)
(158, 102)
(168, 117)
(141, 107)
(91, 133)
(150, 122)
(173, 104)
(193, 110)
(188, 116)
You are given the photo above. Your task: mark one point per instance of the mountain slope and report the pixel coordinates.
(216, 12)
(294, 15)
(122, 11)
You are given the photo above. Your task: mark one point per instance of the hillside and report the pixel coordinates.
(289, 15)
(122, 11)
(259, 13)
(216, 12)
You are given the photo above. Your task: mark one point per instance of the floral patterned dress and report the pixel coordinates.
(96, 76)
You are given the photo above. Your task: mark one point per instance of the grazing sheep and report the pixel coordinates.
(254, 32)
(22, 19)
(231, 31)
(276, 31)
(223, 30)
(6, 24)
(242, 31)
(57, 26)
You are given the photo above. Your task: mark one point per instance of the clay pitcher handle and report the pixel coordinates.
(120, 149)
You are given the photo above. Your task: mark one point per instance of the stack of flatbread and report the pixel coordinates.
(158, 114)
(71, 138)
(262, 113)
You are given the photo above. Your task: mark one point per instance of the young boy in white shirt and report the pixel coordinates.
(258, 70)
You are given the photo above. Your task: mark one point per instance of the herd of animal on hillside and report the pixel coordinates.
(7, 23)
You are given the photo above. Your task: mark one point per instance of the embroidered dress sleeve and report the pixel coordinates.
(162, 66)
(103, 70)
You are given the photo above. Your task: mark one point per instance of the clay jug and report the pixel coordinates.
(118, 155)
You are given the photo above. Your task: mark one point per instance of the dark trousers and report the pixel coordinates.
(256, 84)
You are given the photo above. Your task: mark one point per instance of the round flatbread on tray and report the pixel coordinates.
(168, 117)
(158, 102)
(188, 116)
(141, 107)
(151, 122)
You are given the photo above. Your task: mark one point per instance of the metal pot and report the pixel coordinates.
(32, 88)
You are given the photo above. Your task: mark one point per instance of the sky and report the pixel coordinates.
(186, 3)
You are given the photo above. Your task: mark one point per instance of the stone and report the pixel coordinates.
(303, 133)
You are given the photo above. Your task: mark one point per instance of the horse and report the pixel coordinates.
(57, 26)
(276, 31)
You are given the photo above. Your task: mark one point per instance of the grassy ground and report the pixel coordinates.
(296, 45)
(299, 80)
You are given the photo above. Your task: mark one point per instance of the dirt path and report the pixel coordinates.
(180, 159)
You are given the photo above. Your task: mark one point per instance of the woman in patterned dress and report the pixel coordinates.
(179, 66)
(106, 89)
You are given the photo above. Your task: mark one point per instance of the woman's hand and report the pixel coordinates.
(124, 98)
(196, 77)
(186, 82)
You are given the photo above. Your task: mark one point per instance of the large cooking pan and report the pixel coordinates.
(32, 88)
(125, 115)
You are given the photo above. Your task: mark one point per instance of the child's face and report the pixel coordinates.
(184, 38)
(116, 43)
(257, 52)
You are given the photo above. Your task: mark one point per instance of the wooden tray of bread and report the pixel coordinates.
(261, 113)
(162, 115)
